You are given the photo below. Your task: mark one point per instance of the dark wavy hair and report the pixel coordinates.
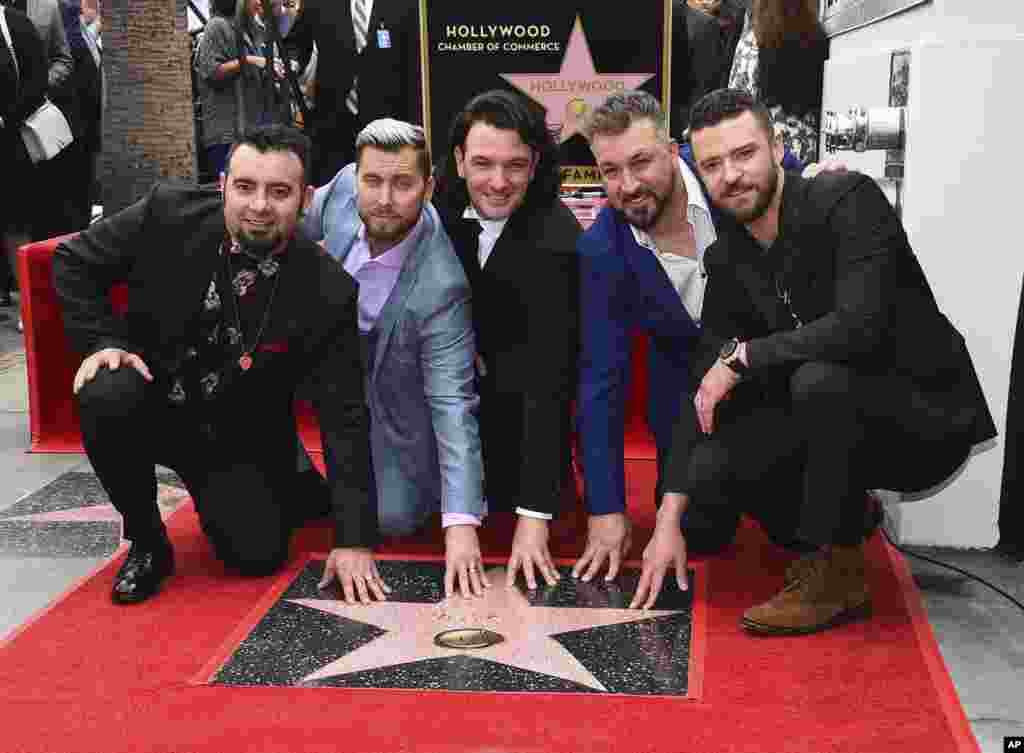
(726, 104)
(506, 110)
(277, 138)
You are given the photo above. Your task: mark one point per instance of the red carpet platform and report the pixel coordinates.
(89, 677)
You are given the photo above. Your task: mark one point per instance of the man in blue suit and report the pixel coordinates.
(642, 269)
(641, 266)
(375, 218)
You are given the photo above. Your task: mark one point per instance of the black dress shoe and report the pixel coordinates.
(140, 575)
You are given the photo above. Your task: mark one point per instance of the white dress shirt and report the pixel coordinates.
(490, 231)
(687, 275)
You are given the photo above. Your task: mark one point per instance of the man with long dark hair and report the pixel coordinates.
(516, 240)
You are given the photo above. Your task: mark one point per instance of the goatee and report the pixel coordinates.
(259, 248)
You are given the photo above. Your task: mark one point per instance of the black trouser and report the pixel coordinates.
(248, 498)
(63, 178)
(802, 466)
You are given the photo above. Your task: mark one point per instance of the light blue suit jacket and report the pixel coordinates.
(423, 401)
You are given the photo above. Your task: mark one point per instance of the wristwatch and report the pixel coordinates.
(730, 356)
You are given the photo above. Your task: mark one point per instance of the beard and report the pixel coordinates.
(763, 197)
(259, 246)
(390, 229)
(646, 216)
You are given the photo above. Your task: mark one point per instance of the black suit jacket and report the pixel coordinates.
(389, 77)
(22, 88)
(856, 287)
(166, 248)
(87, 80)
(525, 311)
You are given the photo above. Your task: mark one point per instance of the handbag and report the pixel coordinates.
(46, 132)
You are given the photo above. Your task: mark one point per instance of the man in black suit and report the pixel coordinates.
(517, 242)
(368, 67)
(827, 369)
(228, 309)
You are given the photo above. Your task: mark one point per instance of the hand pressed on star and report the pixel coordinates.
(529, 551)
(665, 550)
(463, 563)
(356, 570)
(609, 537)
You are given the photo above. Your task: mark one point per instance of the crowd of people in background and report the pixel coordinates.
(54, 52)
(774, 49)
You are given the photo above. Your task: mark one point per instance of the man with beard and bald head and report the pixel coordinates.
(825, 368)
(418, 346)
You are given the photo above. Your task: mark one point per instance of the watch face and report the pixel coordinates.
(728, 349)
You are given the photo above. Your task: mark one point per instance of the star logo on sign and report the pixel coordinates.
(528, 631)
(577, 87)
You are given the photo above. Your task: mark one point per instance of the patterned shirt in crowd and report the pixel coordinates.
(799, 135)
(201, 371)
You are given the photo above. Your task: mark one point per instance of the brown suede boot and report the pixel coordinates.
(873, 516)
(796, 569)
(828, 591)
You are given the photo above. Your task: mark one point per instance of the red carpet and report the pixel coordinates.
(88, 676)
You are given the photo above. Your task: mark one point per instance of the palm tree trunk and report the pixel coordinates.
(149, 131)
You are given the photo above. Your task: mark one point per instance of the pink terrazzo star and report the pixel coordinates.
(577, 88)
(528, 631)
(168, 498)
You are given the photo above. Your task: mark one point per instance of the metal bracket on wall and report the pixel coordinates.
(840, 16)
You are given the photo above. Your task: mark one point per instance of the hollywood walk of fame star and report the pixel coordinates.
(576, 88)
(169, 498)
(527, 630)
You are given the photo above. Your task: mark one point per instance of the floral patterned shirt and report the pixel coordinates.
(202, 370)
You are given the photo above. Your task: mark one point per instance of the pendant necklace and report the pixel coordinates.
(245, 360)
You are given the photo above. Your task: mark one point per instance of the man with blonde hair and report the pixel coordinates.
(418, 348)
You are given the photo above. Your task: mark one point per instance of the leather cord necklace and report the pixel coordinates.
(245, 360)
